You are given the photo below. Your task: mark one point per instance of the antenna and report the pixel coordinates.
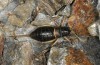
(27, 35)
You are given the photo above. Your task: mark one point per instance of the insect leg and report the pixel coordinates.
(54, 43)
(79, 38)
(63, 22)
(67, 39)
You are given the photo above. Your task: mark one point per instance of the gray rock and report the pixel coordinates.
(57, 56)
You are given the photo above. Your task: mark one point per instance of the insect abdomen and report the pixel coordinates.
(64, 31)
(43, 34)
(48, 33)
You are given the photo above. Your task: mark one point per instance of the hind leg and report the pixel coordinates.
(82, 39)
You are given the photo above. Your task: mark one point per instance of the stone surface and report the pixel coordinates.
(94, 29)
(65, 12)
(18, 18)
(77, 57)
(41, 20)
(98, 7)
(2, 40)
(78, 53)
(25, 50)
(7, 10)
(83, 15)
(92, 50)
(57, 56)
(22, 13)
(4, 3)
(1, 43)
(20, 54)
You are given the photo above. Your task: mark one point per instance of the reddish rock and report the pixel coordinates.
(83, 15)
(77, 57)
(1, 43)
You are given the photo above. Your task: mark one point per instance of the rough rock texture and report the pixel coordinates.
(98, 7)
(57, 56)
(1, 43)
(20, 54)
(83, 15)
(1, 46)
(22, 13)
(18, 18)
(4, 3)
(77, 57)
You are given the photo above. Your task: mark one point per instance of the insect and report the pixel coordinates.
(47, 33)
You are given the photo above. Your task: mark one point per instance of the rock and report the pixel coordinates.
(41, 20)
(4, 3)
(7, 11)
(15, 20)
(64, 12)
(25, 57)
(77, 57)
(1, 43)
(92, 49)
(98, 7)
(83, 15)
(53, 6)
(19, 53)
(2, 40)
(67, 2)
(57, 56)
(94, 29)
(22, 13)
(21, 17)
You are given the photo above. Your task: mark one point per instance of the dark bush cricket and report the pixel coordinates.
(47, 33)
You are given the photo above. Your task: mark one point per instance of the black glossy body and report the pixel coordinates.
(47, 33)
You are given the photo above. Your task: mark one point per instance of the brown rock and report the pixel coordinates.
(83, 15)
(24, 58)
(77, 57)
(1, 43)
(3, 3)
(21, 13)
